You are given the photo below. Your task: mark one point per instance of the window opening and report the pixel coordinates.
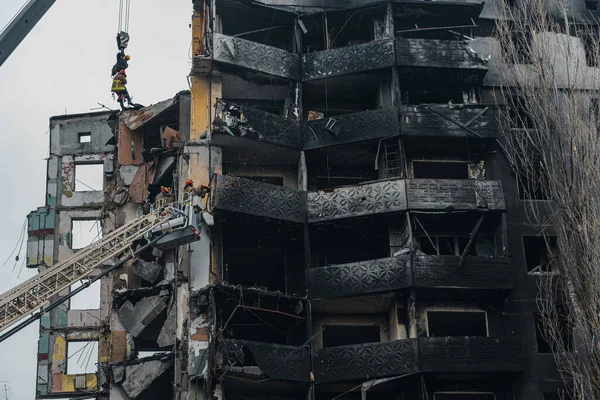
(82, 357)
(271, 274)
(344, 335)
(440, 170)
(456, 323)
(519, 48)
(591, 5)
(84, 232)
(89, 177)
(84, 137)
(88, 299)
(540, 256)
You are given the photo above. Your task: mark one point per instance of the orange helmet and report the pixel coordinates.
(127, 58)
(165, 189)
(189, 182)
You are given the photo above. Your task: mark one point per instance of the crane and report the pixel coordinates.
(165, 227)
(32, 12)
(20, 25)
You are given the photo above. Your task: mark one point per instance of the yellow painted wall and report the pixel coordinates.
(205, 92)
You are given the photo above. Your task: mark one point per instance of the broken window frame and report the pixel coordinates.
(98, 167)
(543, 269)
(97, 237)
(95, 348)
(485, 316)
(457, 250)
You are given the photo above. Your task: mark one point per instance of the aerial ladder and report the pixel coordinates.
(166, 227)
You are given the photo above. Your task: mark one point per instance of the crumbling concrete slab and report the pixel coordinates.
(167, 332)
(149, 271)
(140, 376)
(137, 318)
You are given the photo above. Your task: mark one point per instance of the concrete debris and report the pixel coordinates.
(149, 271)
(167, 332)
(118, 373)
(140, 376)
(230, 119)
(170, 136)
(136, 318)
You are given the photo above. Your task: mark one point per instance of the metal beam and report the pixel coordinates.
(21, 24)
(470, 242)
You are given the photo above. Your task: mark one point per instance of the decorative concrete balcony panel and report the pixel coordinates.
(255, 56)
(356, 127)
(353, 201)
(359, 278)
(470, 354)
(290, 363)
(484, 273)
(431, 53)
(347, 60)
(365, 361)
(449, 194)
(257, 198)
(437, 120)
(234, 121)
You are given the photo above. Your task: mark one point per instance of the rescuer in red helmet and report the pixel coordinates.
(119, 88)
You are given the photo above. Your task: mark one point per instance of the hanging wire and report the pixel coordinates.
(18, 241)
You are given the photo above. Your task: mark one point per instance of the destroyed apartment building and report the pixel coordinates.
(363, 236)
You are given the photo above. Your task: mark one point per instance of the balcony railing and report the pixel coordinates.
(369, 360)
(245, 196)
(419, 271)
(291, 363)
(431, 53)
(346, 60)
(470, 354)
(443, 121)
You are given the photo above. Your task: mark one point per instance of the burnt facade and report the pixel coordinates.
(363, 232)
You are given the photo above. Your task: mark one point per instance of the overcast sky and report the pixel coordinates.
(64, 65)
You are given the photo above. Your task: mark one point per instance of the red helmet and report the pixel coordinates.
(122, 71)
(189, 182)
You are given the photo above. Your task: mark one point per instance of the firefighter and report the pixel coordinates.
(201, 192)
(121, 64)
(165, 196)
(119, 88)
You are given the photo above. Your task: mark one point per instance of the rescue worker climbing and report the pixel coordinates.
(121, 64)
(119, 88)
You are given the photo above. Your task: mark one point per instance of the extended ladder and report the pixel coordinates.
(37, 292)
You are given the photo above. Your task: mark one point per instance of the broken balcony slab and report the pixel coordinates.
(256, 198)
(470, 354)
(139, 377)
(351, 128)
(350, 279)
(476, 272)
(239, 122)
(431, 53)
(136, 318)
(368, 360)
(353, 201)
(291, 363)
(148, 270)
(255, 56)
(166, 336)
(136, 119)
(346, 60)
(441, 120)
(449, 194)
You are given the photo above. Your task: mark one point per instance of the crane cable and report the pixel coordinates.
(124, 6)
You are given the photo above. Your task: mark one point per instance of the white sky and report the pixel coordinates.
(64, 65)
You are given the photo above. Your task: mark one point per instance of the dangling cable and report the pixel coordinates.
(119, 26)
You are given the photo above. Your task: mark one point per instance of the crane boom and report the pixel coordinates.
(37, 291)
(21, 24)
